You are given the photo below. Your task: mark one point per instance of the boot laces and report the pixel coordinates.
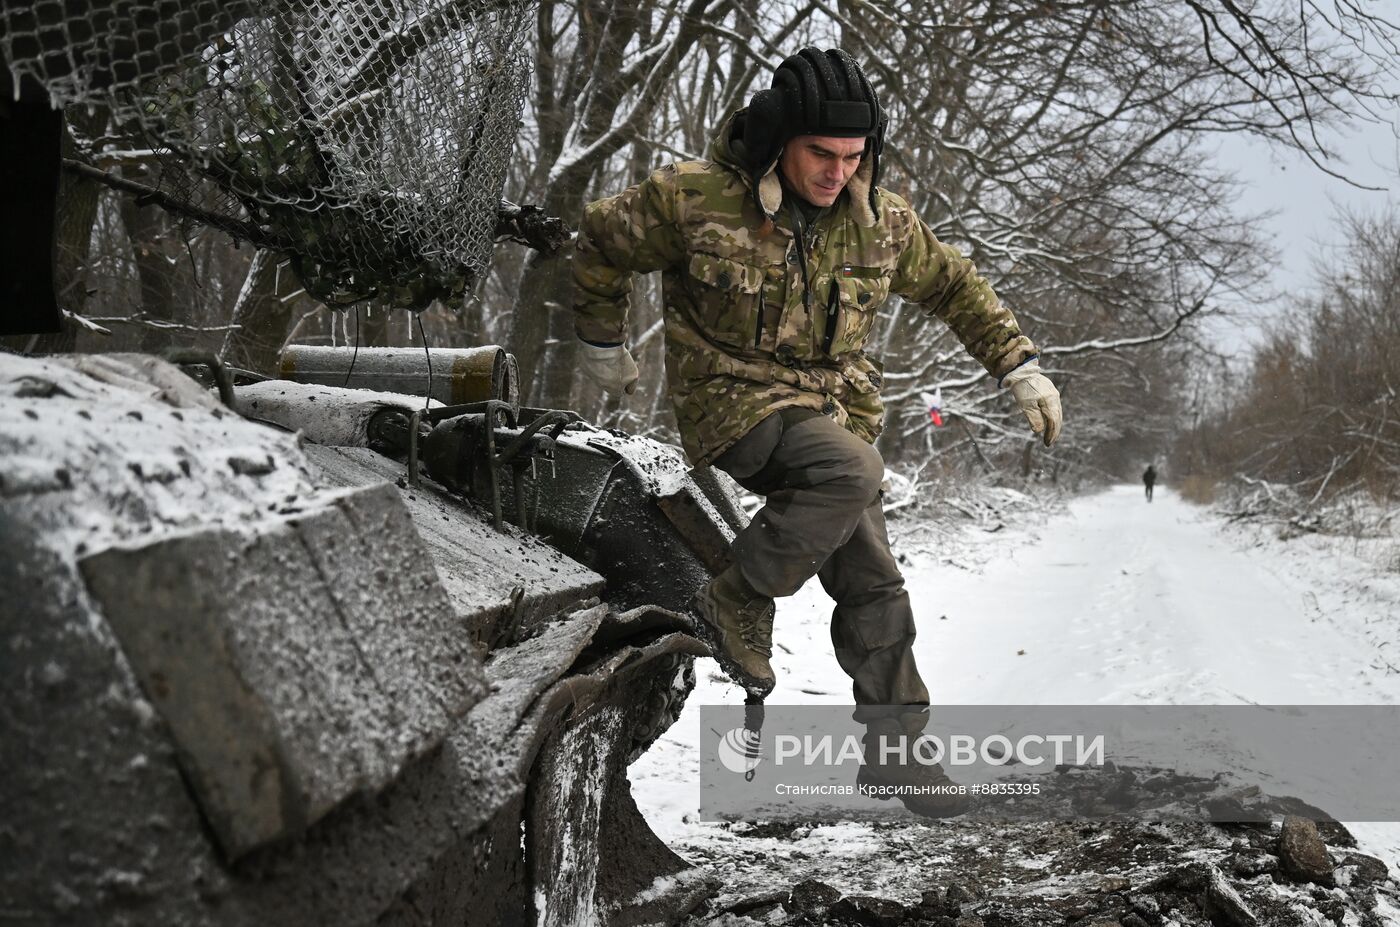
(756, 626)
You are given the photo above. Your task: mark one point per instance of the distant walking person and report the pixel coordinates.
(1149, 477)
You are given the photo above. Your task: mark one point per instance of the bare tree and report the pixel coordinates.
(1062, 145)
(603, 67)
(1318, 409)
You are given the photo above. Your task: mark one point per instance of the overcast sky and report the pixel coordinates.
(1306, 201)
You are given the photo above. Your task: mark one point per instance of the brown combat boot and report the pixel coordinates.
(736, 621)
(924, 788)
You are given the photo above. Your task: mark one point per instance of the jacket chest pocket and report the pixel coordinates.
(728, 297)
(853, 302)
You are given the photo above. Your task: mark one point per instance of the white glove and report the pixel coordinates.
(1038, 398)
(613, 369)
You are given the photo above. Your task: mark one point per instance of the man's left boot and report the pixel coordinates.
(736, 621)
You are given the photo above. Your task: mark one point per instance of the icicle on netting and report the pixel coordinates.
(367, 140)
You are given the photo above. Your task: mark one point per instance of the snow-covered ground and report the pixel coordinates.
(1109, 601)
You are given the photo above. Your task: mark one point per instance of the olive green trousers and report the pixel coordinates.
(822, 517)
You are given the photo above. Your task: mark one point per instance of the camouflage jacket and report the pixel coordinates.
(741, 339)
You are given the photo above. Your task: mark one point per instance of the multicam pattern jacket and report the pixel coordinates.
(742, 340)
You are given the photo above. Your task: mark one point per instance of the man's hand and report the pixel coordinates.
(612, 368)
(1038, 398)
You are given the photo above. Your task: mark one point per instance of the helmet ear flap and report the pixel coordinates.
(763, 126)
(877, 141)
(877, 147)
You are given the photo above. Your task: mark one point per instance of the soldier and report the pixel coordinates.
(776, 256)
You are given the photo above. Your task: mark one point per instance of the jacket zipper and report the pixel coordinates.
(833, 309)
(758, 327)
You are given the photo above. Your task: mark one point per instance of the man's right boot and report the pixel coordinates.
(736, 621)
(925, 789)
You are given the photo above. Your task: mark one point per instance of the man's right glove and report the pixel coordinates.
(1038, 398)
(612, 368)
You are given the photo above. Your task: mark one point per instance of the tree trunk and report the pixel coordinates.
(262, 317)
(542, 332)
(153, 249)
(76, 213)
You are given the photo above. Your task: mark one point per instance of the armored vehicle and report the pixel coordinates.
(303, 651)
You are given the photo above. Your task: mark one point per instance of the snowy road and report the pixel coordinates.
(1120, 602)
(1112, 602)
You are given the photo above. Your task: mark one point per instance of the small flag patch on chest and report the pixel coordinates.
(867, 273)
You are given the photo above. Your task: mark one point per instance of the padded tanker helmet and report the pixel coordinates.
(815, 93)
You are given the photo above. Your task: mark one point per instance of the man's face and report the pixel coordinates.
(817, 167)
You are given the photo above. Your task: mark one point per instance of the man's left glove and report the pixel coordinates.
(612, 368)
(1038, 398)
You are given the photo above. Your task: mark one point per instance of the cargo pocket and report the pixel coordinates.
(866, 410)
(858, 300)
(728, 298)
(748, 455)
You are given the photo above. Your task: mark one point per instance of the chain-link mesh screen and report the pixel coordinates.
(369, 140)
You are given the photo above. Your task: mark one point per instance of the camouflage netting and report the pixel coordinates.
(367, 140)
